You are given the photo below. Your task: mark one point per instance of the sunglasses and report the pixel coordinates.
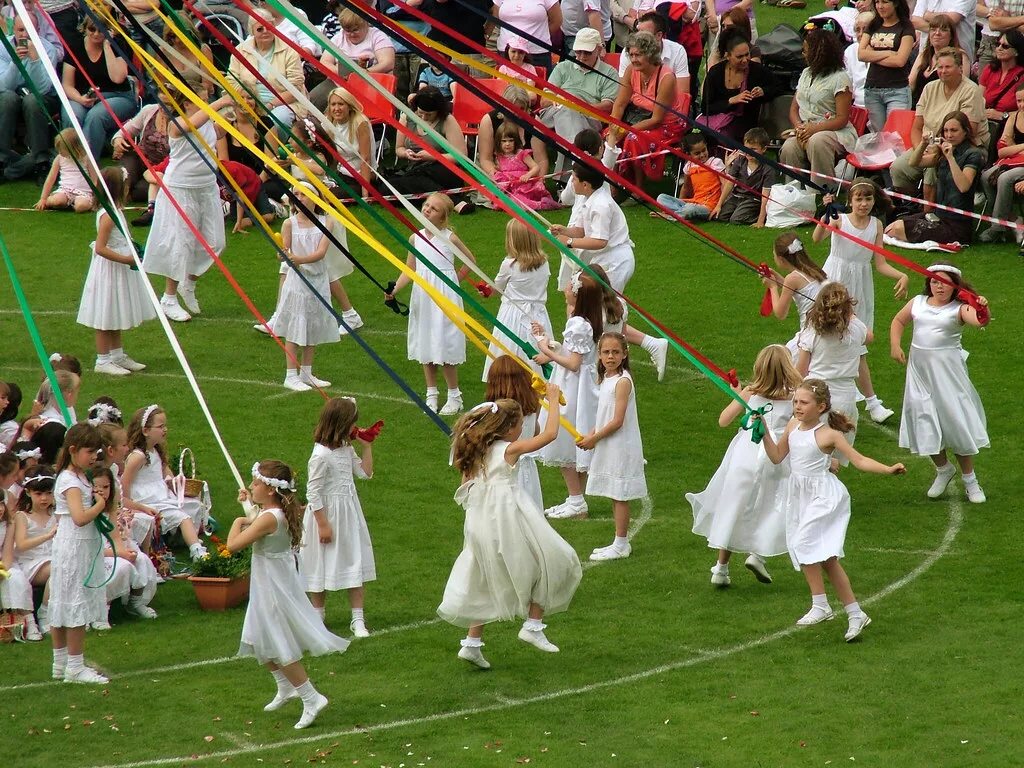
(1004, 45)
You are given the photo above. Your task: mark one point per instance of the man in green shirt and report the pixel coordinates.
(597, 88)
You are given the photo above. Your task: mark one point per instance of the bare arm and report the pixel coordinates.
(969, 315)
(622, 389)
(899, 322)
(242, 534)
(457, 243)
(883, 267)
(403, 279)
(21, 538)
(385, 60)
(777, 452)
(536, 442)
(829, 439)
(733, 409)
(82, 516)
(103, 237)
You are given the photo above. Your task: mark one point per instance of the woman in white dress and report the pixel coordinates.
(513, 563)
(280, 623)
(114, 296)
(941, 408)
(817, 504)
(433, 339)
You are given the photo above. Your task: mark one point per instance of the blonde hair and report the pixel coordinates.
(444, 203)
(832, 310)
(265, 18)
(351, 21)
(823, 396)
(480, 428)
(357, 115)
(775, 376)
(68, 144)
(522, 244)
(67, 383)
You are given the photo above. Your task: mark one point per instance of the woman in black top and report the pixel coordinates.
(735, 88)
(886, 47)
(1000, 181)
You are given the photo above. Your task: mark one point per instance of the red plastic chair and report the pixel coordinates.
(376, 107)
(613, 59)
(468, 109)
(899, 121)
(859, 119)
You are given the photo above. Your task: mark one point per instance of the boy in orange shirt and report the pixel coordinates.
(701, 186)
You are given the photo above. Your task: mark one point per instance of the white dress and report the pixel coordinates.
(432, 337)
(280, 622)
(114, 297)
(302, 318)
(348, 560)
(941, 407)
(140, 575)
(741, 510)
(837, 361)
(620, 326)
(16, 589)
(617, 468)
(31, 560)
(150, 489)
(817, 504)
(172, 250)
(804, 300)
(524, 301)
(851, 264)
(580, 390)
(511, 556)
(529, 477)
(77, 550)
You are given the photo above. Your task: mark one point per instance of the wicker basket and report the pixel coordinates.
(12, 627)
(193, 486)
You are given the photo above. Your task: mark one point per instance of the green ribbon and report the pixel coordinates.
(753, 420)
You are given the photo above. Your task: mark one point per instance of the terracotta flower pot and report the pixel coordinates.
(219, 594)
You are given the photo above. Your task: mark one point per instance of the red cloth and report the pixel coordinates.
(246, 178)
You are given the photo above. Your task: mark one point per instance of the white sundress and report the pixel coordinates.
(837, 361)
(511, 556)
(432, 336)
(348, 560)
(523, 302)
(31, 560)
(617, 468)
(741, 509)
(941, 407)
(804, 300)
(280, 622)
(302, 318)
(114, 296)
(16, 589)
(580, 390)
(817, 504)
(150, 488)
(77, 550)
(851, 264)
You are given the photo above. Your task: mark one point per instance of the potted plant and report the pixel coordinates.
(221, 578)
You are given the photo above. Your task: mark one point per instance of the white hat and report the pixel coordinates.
(587, 39)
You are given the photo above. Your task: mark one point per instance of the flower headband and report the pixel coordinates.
(104, 412)
(945, 268)
(576, 282)
(32, 453)
(273, 482)
(147, 413)
(55, 357)
(795, 247)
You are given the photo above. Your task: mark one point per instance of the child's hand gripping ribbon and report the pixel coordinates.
(367, 434)
(753, 420)
(541, 388)
(766, 303)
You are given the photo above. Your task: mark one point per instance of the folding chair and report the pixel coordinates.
(859, 119)
(899, 121)
(376, 107)
(613, 59)
(468, 109)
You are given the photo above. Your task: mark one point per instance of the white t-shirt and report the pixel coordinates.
(964, 29)
(672, 55)
(375, 40)
(858, 73)
(574, 16)
(601, 217)
(531, 16)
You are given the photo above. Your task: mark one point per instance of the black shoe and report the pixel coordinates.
(42, 170)
(465, 208)
(145, 219)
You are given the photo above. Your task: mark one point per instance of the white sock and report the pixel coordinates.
(433, 391)
(970, 478)
(306, 370)
(116, 353)
(75, 663)
(101, 359)
(31, 621)
(872, 402)
(284, 687)
(577, 501)
(197, 550)
(947, 469)
(819, 601)
(454, 393)
(649, 344)
(307, 693)
(853, 609)
(291, 373)
(722, 567)
(350, 314)
(322, 610)
(621, 542)
(60, 658)
(472, 642)
(169, 298)
(357, 614)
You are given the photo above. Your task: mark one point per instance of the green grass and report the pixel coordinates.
(656, 667)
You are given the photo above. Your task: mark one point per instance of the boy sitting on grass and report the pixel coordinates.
(737, 204)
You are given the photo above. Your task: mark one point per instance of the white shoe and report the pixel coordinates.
(280, 700)
(612, 552)
(280, 209)
(358, 628)
(296, 384)
(33, 635)
(263, 328)
(974, 493)
(313, 381)
(535, 637)
(56, 672)
(452, 406)
(140, 610)
(474, 656)
(310, 711)
(569, 511)
(755, 564)
(660, 357)
(173, 311)
(353, 321)
(187, 293)
(720, 576)
(128, 364)
(100, 626)
(86, 675)
(942, 477)
(555, 510)
(857, 624)
(432, 402)
(815, 616)
(111, 369)
(880, 413)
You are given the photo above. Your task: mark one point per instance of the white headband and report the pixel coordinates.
(55, 357)
(37, 478)
(795, 247)
(34, 453)
(147, 413)
(576, 282)
(273, 482)
(945, 268)
(102, 413)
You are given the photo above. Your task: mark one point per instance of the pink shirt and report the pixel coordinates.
(374, 41)
(531, 16)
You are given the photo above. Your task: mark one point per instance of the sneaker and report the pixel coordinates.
(352, 319)
(280, 700)
(611, 552)
(358, 628)
(263, 328)
(111, 369)
(720, 576)
(857, 624)
(879, 414)
(660, 357)
(942, 477)
(432, 401)
(474, 656)
(33, 635)
(280, 209)
(535, 637)
(755, 564)
(815, 616)
(187, 292)
(974, 493)
(452, 406)
(127, 363)
(86, 675)
(996, 234)
(310, 711)
(567, 510)
(140, 610)
(100, 626)
(313, 381)
(296, 384)
(173, 311)
(144, 220)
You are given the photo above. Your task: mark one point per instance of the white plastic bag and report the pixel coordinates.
(784, 200)
(878, 148)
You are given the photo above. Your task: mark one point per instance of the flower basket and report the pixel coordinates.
(216, 593)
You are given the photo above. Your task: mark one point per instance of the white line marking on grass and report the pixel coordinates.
(952, 530)
(892, 551)
(405, 627)
(238, 741)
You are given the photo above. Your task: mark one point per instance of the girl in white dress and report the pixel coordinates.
(34, 529)
(616, 314)
(617, 468)
(803, 279)
(280, 623)
(336, 549)
(576, 375)
(741, 509)
(147, 476)
(941, 408)
(507, 379)
(75, 570)
(831, 347)
(817, 504)
(15, 587)
(850, 263)
(172, 250)
(114, 297)
(139, 520)
(523, 282)
(433, 339)
(513, 563)
(303, 317)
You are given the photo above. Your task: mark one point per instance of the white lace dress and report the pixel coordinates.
(524, 301)
(432, 337)
(150, 488)
(76, 570)
(16, 589)
(580, 390)
(31, 560)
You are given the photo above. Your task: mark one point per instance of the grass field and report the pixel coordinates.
(657, 668)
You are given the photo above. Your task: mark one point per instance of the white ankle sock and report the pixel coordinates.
(649, 344)
(872, 402)
(291, 373)
(472, 642)
(101, 359)
(456, 393)
(433, 391)
(533, 625)
(577, 501)
(970, 478)
(322, 610)
(75, 663)
(196, 549)
(722, 567)
(621, 542)
(357, 614)
(853, 609)
(169, 298)
(116, 353)
(306, 692)
(60, 657)
(284, 687)
(350, 314)
(819, 601)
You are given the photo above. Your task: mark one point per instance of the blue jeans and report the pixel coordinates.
(97, 123)
(689, 211)
(879, 102)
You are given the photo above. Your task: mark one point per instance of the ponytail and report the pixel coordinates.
(840, 422)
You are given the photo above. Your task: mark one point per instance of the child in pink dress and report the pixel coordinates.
(517, 171)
